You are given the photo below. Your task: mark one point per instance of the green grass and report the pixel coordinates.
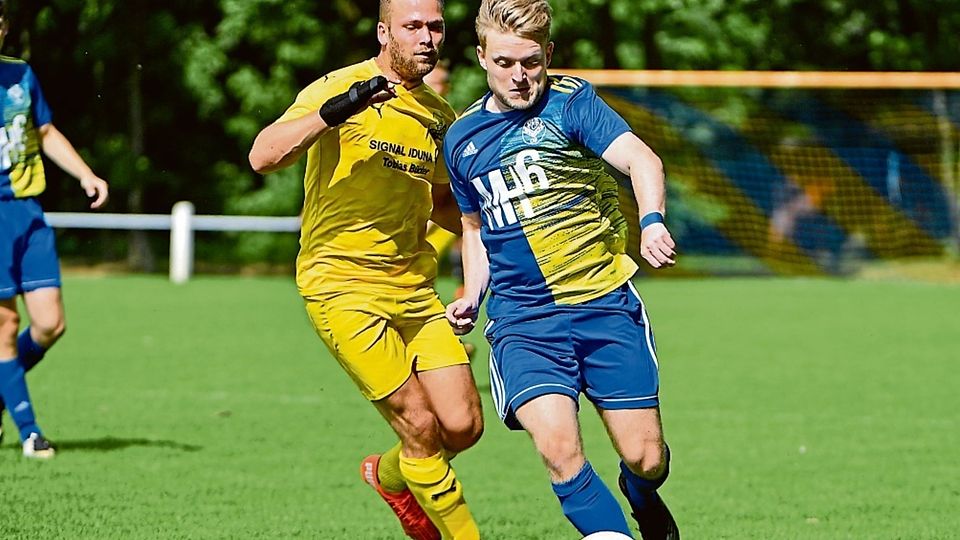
(795, 409)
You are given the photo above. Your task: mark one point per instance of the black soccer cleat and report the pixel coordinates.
(655, 522)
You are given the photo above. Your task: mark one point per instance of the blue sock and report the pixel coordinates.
(13, 388)
(30, 352)
(589, 505)
(641, 491)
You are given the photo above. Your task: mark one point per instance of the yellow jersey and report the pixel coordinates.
(367, 188)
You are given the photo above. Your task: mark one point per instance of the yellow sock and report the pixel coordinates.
(388, 471)
(438, 491)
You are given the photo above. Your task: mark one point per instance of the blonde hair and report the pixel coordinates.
(385, 9)
(529, 19)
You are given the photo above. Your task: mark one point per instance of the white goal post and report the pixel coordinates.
(182, 222)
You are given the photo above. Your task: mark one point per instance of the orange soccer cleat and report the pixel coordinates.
(414, 520)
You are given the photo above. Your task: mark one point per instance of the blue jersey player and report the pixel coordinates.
(28, 257)
(543, 230)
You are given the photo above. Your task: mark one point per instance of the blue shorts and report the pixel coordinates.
(603, 348)
(28, 252)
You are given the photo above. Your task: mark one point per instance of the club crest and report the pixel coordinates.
(533, 130)
(438, 129)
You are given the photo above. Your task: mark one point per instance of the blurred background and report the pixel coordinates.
(164, 99)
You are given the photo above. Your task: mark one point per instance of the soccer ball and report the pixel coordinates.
(606, 535)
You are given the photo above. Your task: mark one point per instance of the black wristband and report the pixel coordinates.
(338, 108)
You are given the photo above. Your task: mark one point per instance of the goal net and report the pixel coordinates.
(798, 173)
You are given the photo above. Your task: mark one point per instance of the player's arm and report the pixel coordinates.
(462, 312)
(58, 148)
(446, 213)
(631, 156)
(281, 144)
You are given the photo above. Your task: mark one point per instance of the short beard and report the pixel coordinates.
(513, 104)
(406, 67)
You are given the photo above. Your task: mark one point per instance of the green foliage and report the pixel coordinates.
(212, 74)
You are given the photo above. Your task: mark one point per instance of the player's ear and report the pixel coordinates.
(483, 61)
(382, 32)
(549, 54)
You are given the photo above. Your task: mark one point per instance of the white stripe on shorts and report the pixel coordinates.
(496, 387)
(647, 330)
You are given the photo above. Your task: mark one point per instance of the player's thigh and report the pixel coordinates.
(363, 341)
(45, 308)
(410, 414)
(637, 435)
(551, 420)
(530, 359)
(618, 357)
(455, 401)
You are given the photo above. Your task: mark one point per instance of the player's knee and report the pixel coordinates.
(562, 454)
(462, 432)
(49, 331)
(420, 433)
(647, 460)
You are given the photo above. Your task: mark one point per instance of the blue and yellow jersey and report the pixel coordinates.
(368, 188)
(24, 110)
(552, 225)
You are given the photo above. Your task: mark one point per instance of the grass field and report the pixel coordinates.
(795, 409)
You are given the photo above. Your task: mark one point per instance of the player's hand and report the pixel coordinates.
(96, 188)
(358, 97)
(462, 316)
(657, 246)
(388, 93)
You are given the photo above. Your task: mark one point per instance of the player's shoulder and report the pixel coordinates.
(10, 63)
(465, 134)
(568, 85)
(468, 117)
(437, 104)
(345, 76)
(12, 60)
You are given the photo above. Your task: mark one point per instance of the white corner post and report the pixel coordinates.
(181, 242)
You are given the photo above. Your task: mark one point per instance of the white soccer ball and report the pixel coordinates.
(606, 535)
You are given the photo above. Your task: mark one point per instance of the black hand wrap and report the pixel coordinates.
(338, 108)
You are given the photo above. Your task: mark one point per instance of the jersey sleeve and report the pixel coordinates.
(588, 120)
(40, 110)
(458, 184)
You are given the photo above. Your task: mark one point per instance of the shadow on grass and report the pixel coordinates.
(110, 444)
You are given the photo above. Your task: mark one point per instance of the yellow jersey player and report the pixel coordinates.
(372, 134)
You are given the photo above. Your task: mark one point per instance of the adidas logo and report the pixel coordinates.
(470, 150)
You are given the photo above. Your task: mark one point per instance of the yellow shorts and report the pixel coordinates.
(381, 338)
